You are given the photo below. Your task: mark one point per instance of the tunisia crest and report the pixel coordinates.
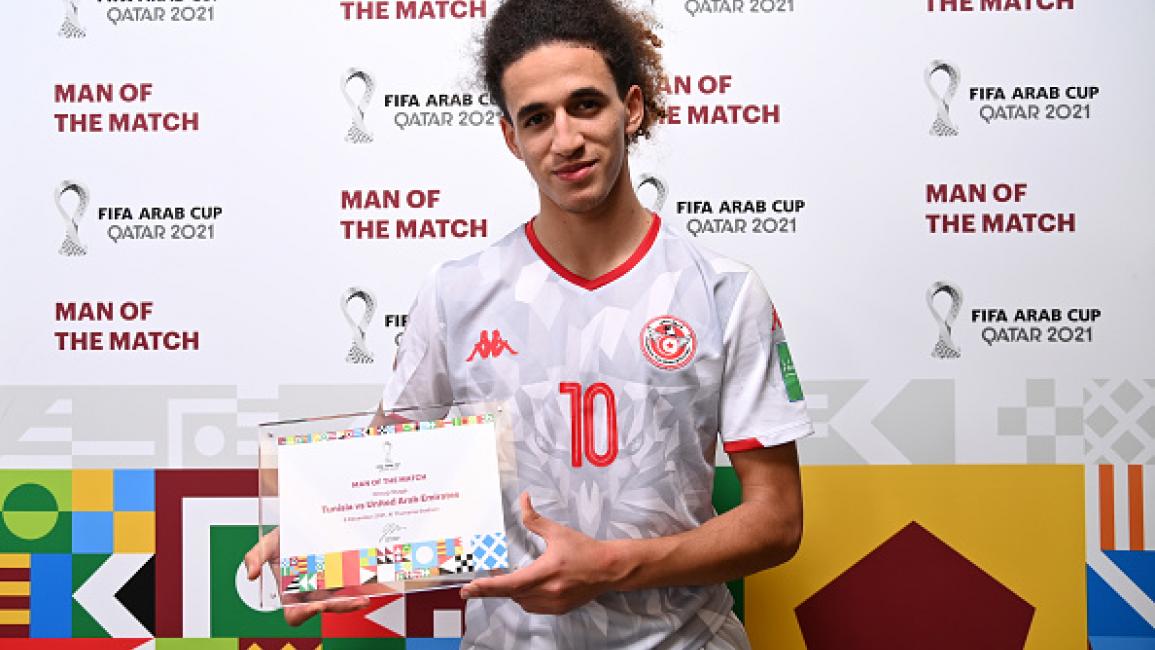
(668, 342)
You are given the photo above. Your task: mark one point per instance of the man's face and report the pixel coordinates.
(568, 124)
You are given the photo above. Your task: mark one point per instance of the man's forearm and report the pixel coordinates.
(745, 540)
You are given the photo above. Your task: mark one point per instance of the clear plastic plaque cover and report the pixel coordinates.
(370, 504)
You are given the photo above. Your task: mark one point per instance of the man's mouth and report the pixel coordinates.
(574, 171)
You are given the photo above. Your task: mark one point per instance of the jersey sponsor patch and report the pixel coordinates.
(490, 346)
(789, 376)
(668, 342)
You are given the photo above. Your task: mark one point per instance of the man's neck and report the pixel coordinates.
(591, 244)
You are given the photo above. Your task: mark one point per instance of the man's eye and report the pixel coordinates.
(534, 120)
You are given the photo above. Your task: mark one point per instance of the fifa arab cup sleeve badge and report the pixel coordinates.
(71, 246)
(359, 352)
(358, 133)
(71, 28)
(660, 186)
(945, 348)
(943, 125)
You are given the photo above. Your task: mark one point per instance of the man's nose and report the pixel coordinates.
(567, 136)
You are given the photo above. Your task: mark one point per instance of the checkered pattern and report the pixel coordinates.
(1050, 420)
(490, 551)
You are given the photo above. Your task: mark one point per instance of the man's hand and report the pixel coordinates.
(573, 570)
(268, 548)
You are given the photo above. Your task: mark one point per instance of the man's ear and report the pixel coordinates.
(635, 110)
(510, 138)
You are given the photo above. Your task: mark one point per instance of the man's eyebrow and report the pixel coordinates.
(588, 91)
(580, 93)
(526, 110)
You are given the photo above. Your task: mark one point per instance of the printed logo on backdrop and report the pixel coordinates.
(719, 107)
(412, 10)
(1001, 325)
(359, 352)
(659, 185)
(761, 216)
(1031, 101)
(945, 347)
(953, 6)
(730, 7)
(942, 125)
(167, 12)
(358, 133)
(128, 93)
(171, 225)
(71, 247)
(392, 214)
(974, 213)
(71, 27)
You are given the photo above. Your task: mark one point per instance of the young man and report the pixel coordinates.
(623, 352)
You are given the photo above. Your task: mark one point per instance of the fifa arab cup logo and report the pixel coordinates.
(660, 186)
(943, 125)
(72, 246)
(668, 342)
(71, 27)
(358, 133)
(945, 348)
(358, 352)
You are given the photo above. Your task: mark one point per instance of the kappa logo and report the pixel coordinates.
(490, 346)
(668, 342)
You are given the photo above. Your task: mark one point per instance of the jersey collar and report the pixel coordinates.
(609, 276)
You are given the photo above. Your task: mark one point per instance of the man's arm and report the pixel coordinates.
(762, 531)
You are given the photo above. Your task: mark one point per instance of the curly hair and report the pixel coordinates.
(624, 37)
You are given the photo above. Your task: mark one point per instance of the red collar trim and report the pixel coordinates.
(609, 276)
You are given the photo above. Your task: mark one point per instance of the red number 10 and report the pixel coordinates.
(581, 408)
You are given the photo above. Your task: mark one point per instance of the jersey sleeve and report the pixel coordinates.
(762, 403)
(421, 373)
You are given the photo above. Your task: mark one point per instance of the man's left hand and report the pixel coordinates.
(573, 570)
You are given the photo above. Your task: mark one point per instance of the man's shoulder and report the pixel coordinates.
(710, 262)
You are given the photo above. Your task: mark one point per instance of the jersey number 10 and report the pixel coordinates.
(581, 408)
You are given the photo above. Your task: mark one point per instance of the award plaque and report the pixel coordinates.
(381, 503)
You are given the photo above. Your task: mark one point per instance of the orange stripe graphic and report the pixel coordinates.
(1106, 507)
(1135, 503)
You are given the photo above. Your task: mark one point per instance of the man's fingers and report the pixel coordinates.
(506, 585)
(299, 614)
(533, 521)
(266, 548)
(296, 615)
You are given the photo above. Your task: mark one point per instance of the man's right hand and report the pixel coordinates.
(266, 550)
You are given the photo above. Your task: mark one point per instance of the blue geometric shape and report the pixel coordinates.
(92, 532)
(489, 551)
(432, 644)
(1121, 643)
(1139, 567)
(427, 550)
(133, 490)
(51, 596)
(1109, 615)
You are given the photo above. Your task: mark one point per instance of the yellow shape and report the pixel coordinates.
(14, 617)
(15, 561)
(14, 588)
(1021, 524)
(92, 490)
(134, 532)
(333, 570)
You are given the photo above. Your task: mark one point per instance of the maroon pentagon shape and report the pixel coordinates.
(419, 608)
(914, 591)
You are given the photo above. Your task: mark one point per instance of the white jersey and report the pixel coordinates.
(620, 387)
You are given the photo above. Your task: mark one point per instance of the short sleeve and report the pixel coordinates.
(762, 403)
(421, 373)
